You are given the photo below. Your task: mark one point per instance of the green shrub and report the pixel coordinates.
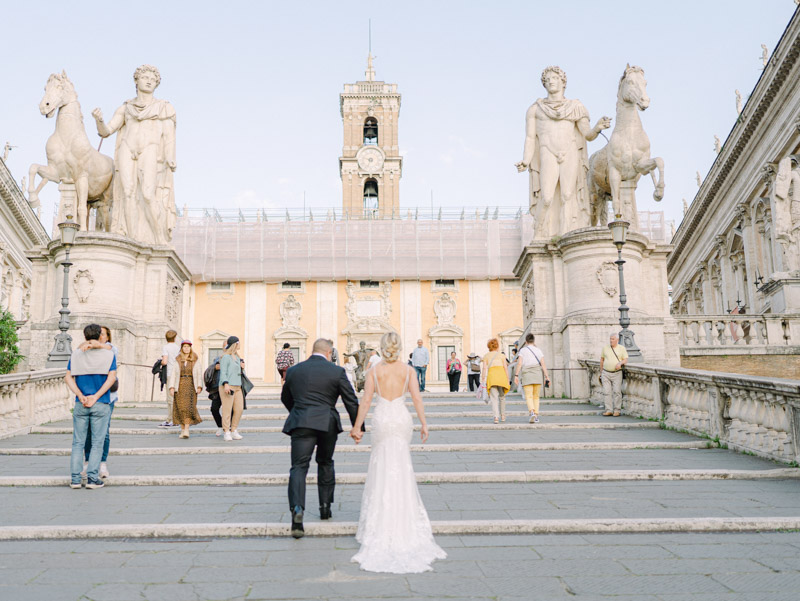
(9, 352)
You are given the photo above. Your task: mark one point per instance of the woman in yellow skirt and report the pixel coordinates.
(494, 375)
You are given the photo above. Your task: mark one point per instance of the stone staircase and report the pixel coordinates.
(513, 493)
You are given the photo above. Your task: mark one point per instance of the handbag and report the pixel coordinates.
(114, 386)
(247, 385)
(482, 394)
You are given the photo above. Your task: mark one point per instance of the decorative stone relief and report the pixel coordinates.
(368, 315)
(608, 275)
(5, 289)
(445, 310)
(173, 308)
(291, 310)
(83, 283)
(528, 301)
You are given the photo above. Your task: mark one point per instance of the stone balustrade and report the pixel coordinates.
(737, 330)
(32, 398)
(746, 413)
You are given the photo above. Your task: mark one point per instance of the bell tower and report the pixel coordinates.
(370, 165)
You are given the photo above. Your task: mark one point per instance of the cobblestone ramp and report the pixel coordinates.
(578, 506)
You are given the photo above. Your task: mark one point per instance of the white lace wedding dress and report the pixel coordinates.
(394, 529)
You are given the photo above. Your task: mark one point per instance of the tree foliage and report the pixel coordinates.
(9, 351)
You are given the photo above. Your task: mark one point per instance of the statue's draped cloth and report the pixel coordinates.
(557, 110)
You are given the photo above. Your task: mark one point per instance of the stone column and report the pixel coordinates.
(748, 237)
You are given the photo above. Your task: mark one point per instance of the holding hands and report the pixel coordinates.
(356, 434)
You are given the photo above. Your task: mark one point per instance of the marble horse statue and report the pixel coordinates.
(626, 157)
(71, 157)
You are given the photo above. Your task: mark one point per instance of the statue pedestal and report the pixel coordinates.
(137, 291)
(572, 301)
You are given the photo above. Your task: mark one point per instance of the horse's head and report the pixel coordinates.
(633, 88)
(57, 92)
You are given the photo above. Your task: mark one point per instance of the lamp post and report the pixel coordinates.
(62, 350)
(619, 232)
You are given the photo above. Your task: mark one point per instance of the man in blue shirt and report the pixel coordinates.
(90, 375)
(419, 360)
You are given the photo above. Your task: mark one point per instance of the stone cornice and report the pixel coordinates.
(19, 207)
(764, 95)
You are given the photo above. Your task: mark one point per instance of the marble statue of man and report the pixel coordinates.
(555, 155)
(144, 159)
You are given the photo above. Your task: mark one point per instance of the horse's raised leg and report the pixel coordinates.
(47, 174)
(658, 193)
(82, 197)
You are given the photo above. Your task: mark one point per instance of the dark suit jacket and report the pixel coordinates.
(310, 393)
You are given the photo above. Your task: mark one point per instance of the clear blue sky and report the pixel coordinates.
(255, 85)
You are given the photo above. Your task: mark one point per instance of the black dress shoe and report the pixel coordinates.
(297, 522)
(325, 511)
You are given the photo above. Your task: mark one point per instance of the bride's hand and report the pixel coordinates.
(423, 433)
(356, 435)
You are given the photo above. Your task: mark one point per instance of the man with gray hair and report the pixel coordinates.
(310, 392)
(613, 358)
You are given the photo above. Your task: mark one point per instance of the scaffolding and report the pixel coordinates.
(419, 244)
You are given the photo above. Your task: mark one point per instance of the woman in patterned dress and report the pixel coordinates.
(187, 381)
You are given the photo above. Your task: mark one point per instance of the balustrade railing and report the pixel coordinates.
(737, 330)
(746, 413)
(32, 398)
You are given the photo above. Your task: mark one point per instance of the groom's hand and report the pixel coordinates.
(356, 434)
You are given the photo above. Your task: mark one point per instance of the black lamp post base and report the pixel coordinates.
(62, 351)
(626, 340)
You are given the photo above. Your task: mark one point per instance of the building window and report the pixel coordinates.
(220, 286)
(369, 284)
(511, 284)
(370, 197)
(371, 131)
(445, 283)
(291, 285)
(213, 353)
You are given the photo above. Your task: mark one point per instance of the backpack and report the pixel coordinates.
(211, 378)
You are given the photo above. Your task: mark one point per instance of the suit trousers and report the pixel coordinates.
(303, 442)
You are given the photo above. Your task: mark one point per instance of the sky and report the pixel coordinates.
(256, 86)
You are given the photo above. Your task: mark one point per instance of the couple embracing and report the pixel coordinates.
(394, 529)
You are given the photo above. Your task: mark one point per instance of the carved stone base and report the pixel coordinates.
(135, 290)
(574, 285)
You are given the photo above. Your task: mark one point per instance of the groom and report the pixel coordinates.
(310, 393)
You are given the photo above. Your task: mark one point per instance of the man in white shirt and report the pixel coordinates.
(169, 355)
(419, 360)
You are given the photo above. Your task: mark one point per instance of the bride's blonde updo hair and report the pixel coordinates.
(391, 347)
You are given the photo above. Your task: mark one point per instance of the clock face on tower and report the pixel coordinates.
(370, 159)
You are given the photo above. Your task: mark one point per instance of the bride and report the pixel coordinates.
(394, 529)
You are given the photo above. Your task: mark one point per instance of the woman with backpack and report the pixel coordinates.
(284, 360)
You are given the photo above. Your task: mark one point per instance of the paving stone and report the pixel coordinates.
(627, 585)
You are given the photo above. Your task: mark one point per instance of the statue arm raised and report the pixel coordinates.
(106, 129)
(590, 133)
(530, 140)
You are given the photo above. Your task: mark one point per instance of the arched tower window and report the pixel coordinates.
(371, 131)
(370, 197)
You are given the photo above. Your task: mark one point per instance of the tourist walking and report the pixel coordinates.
(393, 528)
(90, 375)
(169, 353)
(103, 342)
(453, 372)
(420, 358)
(613, 358)
(512, 365)
(230, 377)
(494, 375)
(310, 393)
(531, 373)
(374, 358)
(473, 363)
(284, 360)
(184, 385)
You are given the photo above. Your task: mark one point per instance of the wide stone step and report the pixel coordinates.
(426, 477)
(430, 415)
(444, 448)
(644, 500)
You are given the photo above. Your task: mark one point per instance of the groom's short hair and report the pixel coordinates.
(322, 345)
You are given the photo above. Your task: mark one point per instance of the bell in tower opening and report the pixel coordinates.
(370, 198)
(371, 131)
